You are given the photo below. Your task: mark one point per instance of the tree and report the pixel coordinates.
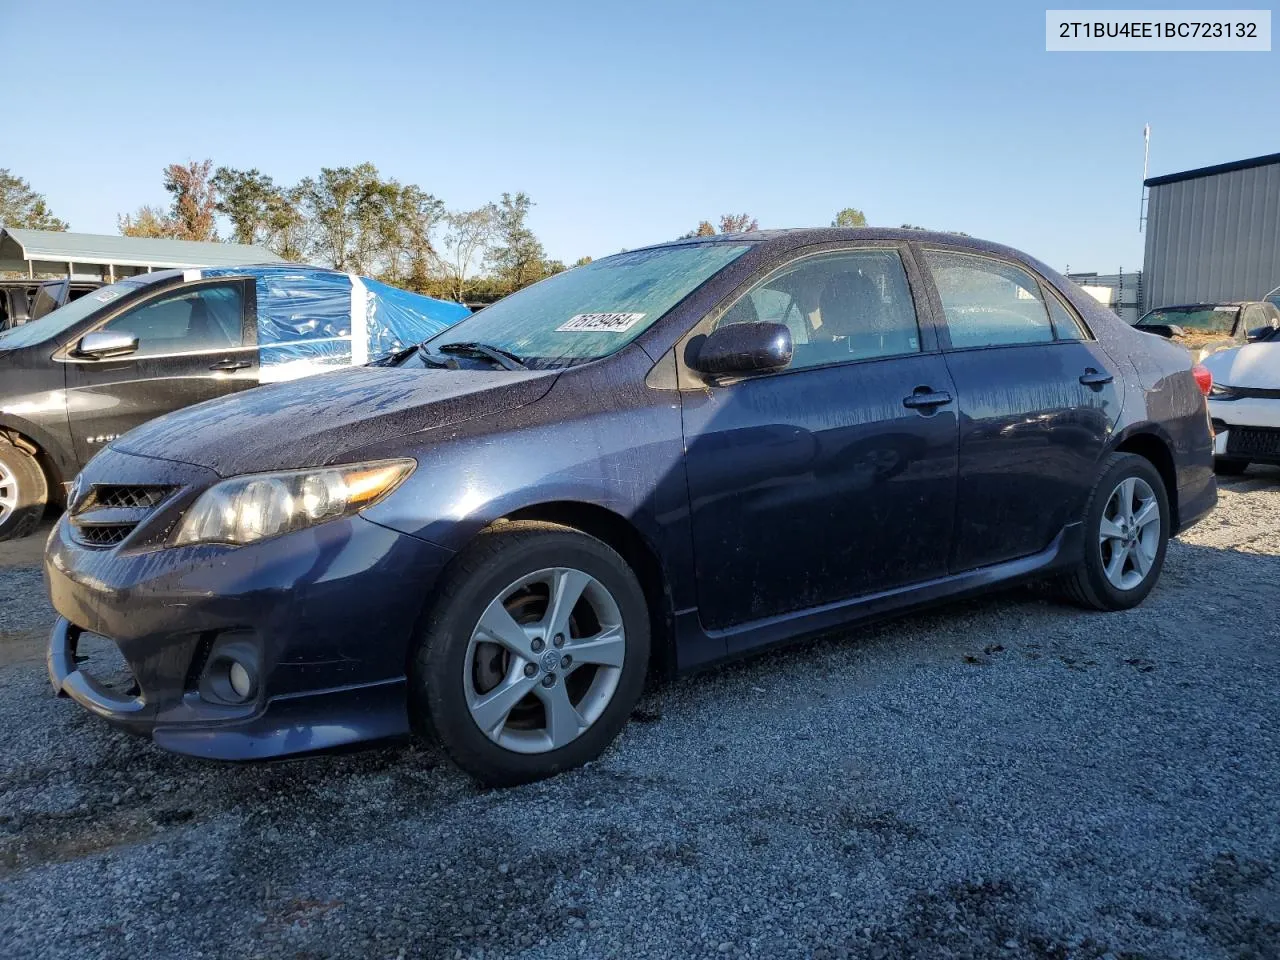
(850, 217)
(194, 204)
(705, 229)
(466, 237)
(582, 261)
(246, 198)
(516, 257)
(20, 206)
(735, 223)
(148, 221)
(411, 218)
(347, 207)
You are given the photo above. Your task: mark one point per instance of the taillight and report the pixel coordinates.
(1204, 379)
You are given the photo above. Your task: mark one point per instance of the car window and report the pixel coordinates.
(208, 318)
(1205, 319)
(596, 309)
(988, 302)
(1065, 324)
(852, 305)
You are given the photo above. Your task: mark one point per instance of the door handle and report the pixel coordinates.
(229, 366)
(1092, 378)
(926, 398)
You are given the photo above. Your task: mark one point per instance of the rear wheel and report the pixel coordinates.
(534, 655)
(1127, 525)
(1229, 468)
(23, 491)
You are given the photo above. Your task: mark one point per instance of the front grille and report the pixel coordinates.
(1253, 442)
(109, 512)
(103, 534)
(108, 496)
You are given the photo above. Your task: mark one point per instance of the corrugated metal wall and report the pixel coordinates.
(1213, 238)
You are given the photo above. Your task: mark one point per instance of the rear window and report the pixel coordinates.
(1213, 320)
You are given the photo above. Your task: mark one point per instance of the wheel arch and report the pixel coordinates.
(626, 538)
(1151, 443)
(46, 450)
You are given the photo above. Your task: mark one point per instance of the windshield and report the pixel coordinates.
(593, 310)
(1217, 320)
(65, 317)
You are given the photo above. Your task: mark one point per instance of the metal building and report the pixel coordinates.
(1213, 234)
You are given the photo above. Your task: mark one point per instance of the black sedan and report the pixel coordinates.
(654, 462)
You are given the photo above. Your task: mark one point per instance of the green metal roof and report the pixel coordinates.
(49, 251)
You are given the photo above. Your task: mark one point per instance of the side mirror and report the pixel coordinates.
(757, 347)
(105, 344)
(1261, 333)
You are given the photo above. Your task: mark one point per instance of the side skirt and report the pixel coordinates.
(697, 648)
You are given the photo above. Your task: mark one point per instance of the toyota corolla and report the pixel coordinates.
(657, 461)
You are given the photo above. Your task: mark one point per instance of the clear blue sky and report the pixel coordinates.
(627, 123)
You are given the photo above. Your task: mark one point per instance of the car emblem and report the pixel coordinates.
(550, 660)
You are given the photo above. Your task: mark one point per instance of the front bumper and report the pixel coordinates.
(328, 612)
(1258, 417)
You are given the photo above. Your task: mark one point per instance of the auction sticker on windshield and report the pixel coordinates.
(600, 323)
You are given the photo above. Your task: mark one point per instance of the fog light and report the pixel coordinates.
(241, 682)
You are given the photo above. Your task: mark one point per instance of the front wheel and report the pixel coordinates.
(534, 654)
(23, 491)
(1127, 525)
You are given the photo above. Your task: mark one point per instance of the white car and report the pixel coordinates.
(1244, 403)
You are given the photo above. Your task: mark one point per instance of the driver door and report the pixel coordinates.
(195, 342)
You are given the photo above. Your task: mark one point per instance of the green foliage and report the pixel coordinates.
(516, 258)
(20, 206)
(850, 217)
(246, 198)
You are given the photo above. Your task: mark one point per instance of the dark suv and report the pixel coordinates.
(656, 461)
(89, 372)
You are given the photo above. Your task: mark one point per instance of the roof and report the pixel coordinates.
(53, 250)
(825, 234)
(1195, 174)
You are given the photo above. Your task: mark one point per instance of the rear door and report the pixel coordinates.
(1038, 399)
(195, 342)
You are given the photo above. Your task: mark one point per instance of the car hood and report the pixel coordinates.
(321, 419)
(1255, 365)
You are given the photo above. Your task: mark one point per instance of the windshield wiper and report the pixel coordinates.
(504, 358)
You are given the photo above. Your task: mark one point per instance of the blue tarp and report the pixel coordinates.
(310, 318)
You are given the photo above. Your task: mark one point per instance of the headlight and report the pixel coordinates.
(257, 506)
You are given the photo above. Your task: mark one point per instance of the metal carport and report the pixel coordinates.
(34, 252)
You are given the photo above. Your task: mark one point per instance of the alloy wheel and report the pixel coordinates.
(8, 492)
(1129, 533)
(544, 660)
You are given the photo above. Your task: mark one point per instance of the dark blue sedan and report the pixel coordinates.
(657, 461)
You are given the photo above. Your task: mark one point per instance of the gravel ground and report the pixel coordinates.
(999, 778)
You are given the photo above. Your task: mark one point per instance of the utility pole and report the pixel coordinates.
(1146, 158)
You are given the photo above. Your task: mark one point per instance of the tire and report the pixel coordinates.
(459, 669)
(23, 492)
(1126, 585)
(1229, 468)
